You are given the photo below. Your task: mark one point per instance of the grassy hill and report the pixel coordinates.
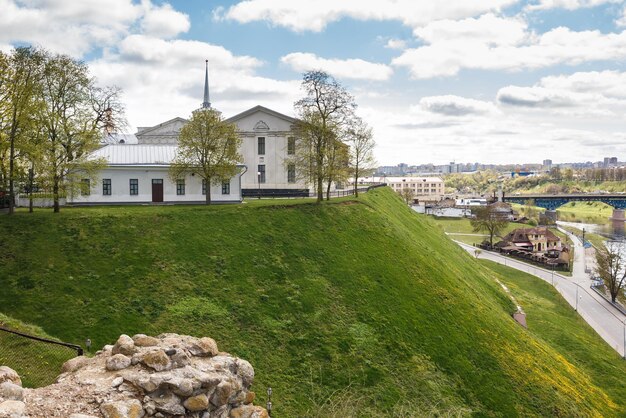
(353, 308)
(37, 363)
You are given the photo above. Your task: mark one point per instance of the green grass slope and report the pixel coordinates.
(37, 363)
(353, 308)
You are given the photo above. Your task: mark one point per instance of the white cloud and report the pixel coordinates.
(536, 97)
(164, 21)
(395, 44)
(315, 15)
(451, 105)
(558, 46)
(163, 79)
(340, 68)
(77, 27)
(488, 29)
(568, 4)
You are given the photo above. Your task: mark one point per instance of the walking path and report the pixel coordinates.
(608, 322)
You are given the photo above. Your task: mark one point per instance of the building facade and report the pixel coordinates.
(137, 165)
(139, 174)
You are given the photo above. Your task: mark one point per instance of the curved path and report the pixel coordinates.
(608, 322)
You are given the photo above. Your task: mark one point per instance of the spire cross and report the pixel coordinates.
(206, 104)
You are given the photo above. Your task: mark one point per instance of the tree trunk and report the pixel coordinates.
(320, 188)
(208, 191)
(31, 175)
(328, 189)
(356, 181)
(55, 194)
(12, 170)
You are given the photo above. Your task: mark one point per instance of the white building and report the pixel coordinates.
(138, 173)
(425, 189)
(137, 166)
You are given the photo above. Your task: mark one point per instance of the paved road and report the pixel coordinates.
(608, 322)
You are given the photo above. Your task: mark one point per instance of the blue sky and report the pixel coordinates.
(495, 81)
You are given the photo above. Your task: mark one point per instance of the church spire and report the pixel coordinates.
(206, 104)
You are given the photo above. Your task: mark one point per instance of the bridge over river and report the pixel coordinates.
(551, 202)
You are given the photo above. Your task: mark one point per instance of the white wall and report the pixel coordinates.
(275, 151)
(120, 187)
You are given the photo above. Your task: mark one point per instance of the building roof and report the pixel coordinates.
(520, 235)
(137, 154)
(260, 108)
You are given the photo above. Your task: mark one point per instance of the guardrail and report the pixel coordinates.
(37, 360)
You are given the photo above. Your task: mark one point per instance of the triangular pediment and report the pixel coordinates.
(262, 119)
(171, 127)
(261, 110)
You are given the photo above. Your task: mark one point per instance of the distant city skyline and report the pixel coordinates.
(493, 81)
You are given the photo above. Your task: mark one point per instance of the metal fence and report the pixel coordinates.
(300, 193)
(37, 360)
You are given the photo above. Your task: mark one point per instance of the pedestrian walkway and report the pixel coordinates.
(608, 322)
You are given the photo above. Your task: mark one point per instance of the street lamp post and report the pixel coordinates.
(269, 401)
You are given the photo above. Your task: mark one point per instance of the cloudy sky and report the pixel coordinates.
(494, 81)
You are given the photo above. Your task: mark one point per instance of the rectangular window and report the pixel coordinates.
(291, 145)
(261, 173)
(203, 187)
(291, 173)
(85, 187)
(261, 145)
(106, 187)
(134, 187)
(180, 187)
(226, 187)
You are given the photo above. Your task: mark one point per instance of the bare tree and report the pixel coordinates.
(407, 194)
(611, 266)
(323, 113)
(488, 219)
(207, 146)
(361, 142)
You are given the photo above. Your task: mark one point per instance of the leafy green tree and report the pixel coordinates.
(207, 147)
(20, 76)
(323, 115)
(71, 127)
(611, 267)
(361, 141)
(488, 219)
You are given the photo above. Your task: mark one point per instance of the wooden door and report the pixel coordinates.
(157, 190)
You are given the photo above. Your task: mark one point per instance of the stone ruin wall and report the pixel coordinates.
(166, 376)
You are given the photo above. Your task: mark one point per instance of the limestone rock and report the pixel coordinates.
(122, 409)
(9, 390)
(10, 375)
(117, 362)
(143, 340)
(197, 403)
(169, 404)
(249, 411)
(12, 408)
(124, 345)
(156, 360)
(74, 364)
(170, 376)
(245, 370)
(221, 394)
(204, 347)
